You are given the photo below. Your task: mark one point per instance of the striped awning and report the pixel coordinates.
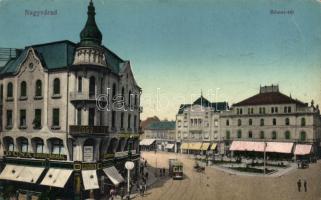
(205, 146)
(169, 146)
(272, 147)
(90, 179)
(195, 146)
(114, 176)
(21, 173)
(146, 142)
(214, 145)
(185, 146)
(302, 149)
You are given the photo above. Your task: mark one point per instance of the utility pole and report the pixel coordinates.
(265, 144)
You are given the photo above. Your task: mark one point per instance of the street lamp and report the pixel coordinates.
(129, 165)
(265, 144)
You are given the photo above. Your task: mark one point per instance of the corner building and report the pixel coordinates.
(71, 115)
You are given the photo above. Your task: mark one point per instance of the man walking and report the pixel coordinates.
(305, 185)
(299, 185)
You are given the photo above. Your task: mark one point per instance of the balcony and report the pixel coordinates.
(81, 96)
(76, 130)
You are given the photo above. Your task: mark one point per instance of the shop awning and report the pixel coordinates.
(146, 142)
(113, 174)
(90, 179)
(272, 147)
(184, 146)
(21, 173)
(279, 147)
(195, 146)
(302, 149)
(214, 145)
(169, 146)
(205, 146)
(56, 177)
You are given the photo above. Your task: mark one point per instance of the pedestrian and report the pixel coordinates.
(305, 185)
(122, 193)
(145, 163)
(160, 172)
(112, 193)
(141, 189)
(299, 185)
(146, 175)
(145, 187)
(164, 172)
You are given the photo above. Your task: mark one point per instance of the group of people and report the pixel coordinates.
(162, 172)
(305, 185)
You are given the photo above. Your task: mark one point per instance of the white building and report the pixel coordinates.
(50, 95)
(271, 116)
(198, 126)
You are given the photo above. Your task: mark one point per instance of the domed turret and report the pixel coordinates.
(90, 34)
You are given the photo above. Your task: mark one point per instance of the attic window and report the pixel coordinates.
(30, 66)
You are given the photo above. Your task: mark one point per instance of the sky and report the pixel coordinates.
(180, 48)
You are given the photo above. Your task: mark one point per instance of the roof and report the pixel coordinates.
(202, 101)
(144, 124)
(162, 125)
(267, 98)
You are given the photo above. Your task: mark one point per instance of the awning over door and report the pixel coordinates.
(205, 146)
(146, 142)
(214, 145)
(21, 173)
(90, 179)
(114, 176)
(57, 177)
(169, 146)
(302, 149)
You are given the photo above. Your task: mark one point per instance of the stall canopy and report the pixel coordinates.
(146, 142)
(56, 177)
(195, 146)
(302, 149)
(169, 146)
(21, 173)
(184, 146)
(214, 145)
(272, 147)
(114, 176)
(205, 146)
(90, 179)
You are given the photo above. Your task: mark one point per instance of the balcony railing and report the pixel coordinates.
(80, 96)
(84, 130)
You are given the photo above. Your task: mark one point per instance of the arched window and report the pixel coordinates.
(92, 87)
(227, 122)
(38, 145)
(250, 134)
(38, 88)
(122, 120)
(250, 122)
(22, 144)
(57, 146)
(239, 134)
(287, 135)
(135, 102)
(56, 84)
(273, 135)
(23, 89)
(302, 121)
(10, 90)
(239, 122)
(262, 122)
(262, 135)
(129, 97)
(79, 84)
(302, 136)
(129, 121)
(287, 121)
(274, 121)
(114, 90)
(8, 144)
(123, 92)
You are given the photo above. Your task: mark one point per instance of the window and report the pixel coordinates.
(79, 116)
(1, 92)
(287, 121)
(23, 145)
(241, 111)
(37, 119)
(56, 86)
(129, 121)
(276, 109)
(57, 147)
(250, 122)
(302, 136)
(239, 122)
(289, 109)
(9, 119)
(216, 122)
(122, 120)
(250, 134)
(263, 110)
(239, 134)
(272, 109)
(287, 135)
(39, 146)
(135, 103)
(129, 98)
(227, 122)
(262, 135)
(303, 121)
(23, 89)
(91, 117)
(135, 122)
(55, 117)
(123, 92)
(228, 135)
(92, 87)
(114, 90)
(10, 90)
(273, 135)
(113, 119)
(38, 88)
(285, 109)
(262, 122)
(23, 123)
(79, 84)
(274, 121)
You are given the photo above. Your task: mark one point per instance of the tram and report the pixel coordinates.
(175, 169)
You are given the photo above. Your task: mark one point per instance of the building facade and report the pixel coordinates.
(160, 134)
(272, 116)
(198, 123)
(73, 107)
